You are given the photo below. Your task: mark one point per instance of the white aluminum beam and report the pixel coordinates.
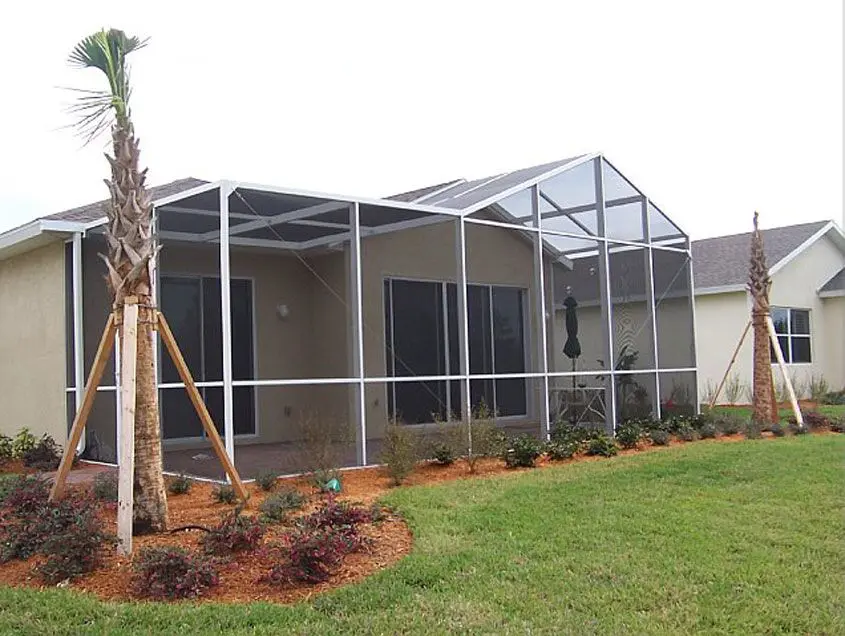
(226, 322)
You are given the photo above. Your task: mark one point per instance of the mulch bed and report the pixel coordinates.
(390, 538)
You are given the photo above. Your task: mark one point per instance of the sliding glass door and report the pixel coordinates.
(421, 329)
(192, 307)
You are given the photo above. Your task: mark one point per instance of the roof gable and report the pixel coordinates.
(723, 261)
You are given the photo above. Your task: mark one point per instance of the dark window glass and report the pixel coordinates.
(799, 322)
(509, 349)
(418, 349)
(800, 349)
(781, 319)
(480, 345)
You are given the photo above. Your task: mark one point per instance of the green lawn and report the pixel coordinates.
(713, 538)
(830, 410)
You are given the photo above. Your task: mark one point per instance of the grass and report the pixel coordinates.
(830, 410)
(742, 537)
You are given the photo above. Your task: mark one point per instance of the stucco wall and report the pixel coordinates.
(32, 342)
(721, 317)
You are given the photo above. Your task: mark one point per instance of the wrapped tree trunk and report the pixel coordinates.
(764, 404)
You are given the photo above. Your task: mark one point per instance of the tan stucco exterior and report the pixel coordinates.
(721, 318)
(32, 342)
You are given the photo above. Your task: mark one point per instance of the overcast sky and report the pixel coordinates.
(714, 109)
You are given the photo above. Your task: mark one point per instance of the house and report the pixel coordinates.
(807, 268)
(348, 312)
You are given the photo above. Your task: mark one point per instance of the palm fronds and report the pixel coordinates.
(105, 50)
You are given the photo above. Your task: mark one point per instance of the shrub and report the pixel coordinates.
(573, 433)
(224, 493)
(753, 429)
(105, 486)
(833, 398)
(324, 477)
(399, 451)
(235, 533)
(24, 441)
(795, 429)
(629, 433)
(481, 436)
(729, 424)
(44, 455)
(522, 451)
(687, 434)
(277, 506)
(312, 555)
(68, 532)
(602, 445)
(815, 421)
(333, 513)
(708, 431)
(5, 449)
(659, 437)
(817, 387)
(558, 450)
(444, 454)
(777, 429)
(169, 572)
(266, 481)
(733, 388)
(179, 485)
(837, 424)
(78, 547)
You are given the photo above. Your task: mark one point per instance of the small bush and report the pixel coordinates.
(837, 424)
(26, 494)
(169, 572)
(179, 485)
(777, 429)
(659, 437)
(78, 547)
(5, 449)
(833, 398)
(753, 430)
(708, 431)
(399, 451)
(312, 555)
(444, 454)
(44, 455)
(566, 432)
(277, 506)
(560, 450)
(522, 451)
(105, 486)
(23, 442)
(795, 429)
(729, 424)
(224, 493)
(323, 478)
(817, 387)
(235, 533)
(816, 421)
(480, 436)
(687, 434)
(266, 481)
(334, 513)
(602, 445)
(629, 433)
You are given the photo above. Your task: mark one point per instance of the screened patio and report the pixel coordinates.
(307, 316)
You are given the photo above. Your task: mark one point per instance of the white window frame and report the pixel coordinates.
(790, 336)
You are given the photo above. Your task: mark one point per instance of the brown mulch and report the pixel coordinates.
(391, 538)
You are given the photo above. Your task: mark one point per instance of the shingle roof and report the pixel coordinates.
(723, 260)
(835, 284)
(94, 211)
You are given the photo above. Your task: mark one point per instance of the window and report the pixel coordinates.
(421, 329)
(793, 329)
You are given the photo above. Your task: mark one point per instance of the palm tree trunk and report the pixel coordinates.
(763, 397)
(130, 251)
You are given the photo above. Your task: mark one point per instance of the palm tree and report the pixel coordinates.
(130, 248)
(763, 396)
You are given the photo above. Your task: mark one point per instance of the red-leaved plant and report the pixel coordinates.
(169, 572)
(235, 533)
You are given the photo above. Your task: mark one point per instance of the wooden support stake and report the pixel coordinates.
(126, 452)
(199, 406)
(730, 366)
(84, 409)
(782, 364)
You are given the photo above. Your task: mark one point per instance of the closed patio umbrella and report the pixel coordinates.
(572, 348)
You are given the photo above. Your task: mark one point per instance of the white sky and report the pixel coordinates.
(713, 110)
